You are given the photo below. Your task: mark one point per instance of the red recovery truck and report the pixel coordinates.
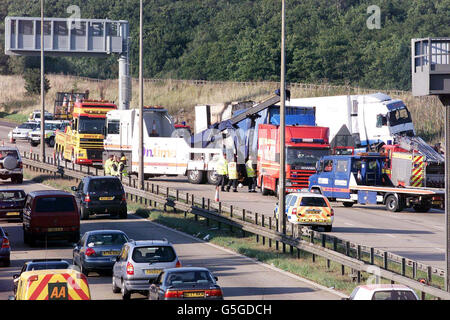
(304, 147)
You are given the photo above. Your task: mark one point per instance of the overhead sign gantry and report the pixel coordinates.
(73, 37)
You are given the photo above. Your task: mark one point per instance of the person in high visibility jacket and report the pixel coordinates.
(108, 165)
(232, 175)
(115, 167)
(123, 166)
(251, 174)
(222, 171)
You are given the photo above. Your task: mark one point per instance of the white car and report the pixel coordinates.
(51, 126)
(35, 116)
(383, 292)
(21, 132)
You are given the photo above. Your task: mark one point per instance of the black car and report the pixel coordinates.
(101, 195)
(40, 264)
(12, 202)
(186, 283)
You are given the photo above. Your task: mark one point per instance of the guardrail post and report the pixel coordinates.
(343, 270)
(323, 240)
(385, 257)
(372, 256)
(177, 194)
(311, 236)
(335, 244)
(359, 252)
(220, 207)
(414, 270)
(203, 202)
(347, 248)
(243, 214)
(429, 274)
(209, 204)
(270, 223)
(358, 278)
(192, 199)
(231, 211)
(403, 266)
(167, 192)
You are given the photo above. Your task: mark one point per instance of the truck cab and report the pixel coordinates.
(335, 174)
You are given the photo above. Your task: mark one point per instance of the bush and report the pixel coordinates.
(32, 79)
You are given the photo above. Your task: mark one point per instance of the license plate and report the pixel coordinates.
(54, 229)
(12, 213)
(312, 211)
(197, 294)
(152, 271)
(110, 253)
(106, 198)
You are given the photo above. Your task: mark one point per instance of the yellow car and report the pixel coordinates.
(308, 209)
(53, 284)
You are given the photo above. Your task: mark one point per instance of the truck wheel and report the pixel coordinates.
(212, 177)
(264, 191)
(393, 204)
(347, 204)
(422, 207)
(195, 176)
(51, 142)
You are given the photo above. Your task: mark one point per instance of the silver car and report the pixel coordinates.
(139, 264)
(21, 132)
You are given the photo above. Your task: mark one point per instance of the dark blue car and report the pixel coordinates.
(12, 202)
(5, 249)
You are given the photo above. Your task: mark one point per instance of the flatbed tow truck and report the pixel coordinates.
(359, 179)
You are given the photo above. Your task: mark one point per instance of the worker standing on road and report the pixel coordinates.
(222, 171)
(123, 166)
(232, 175)
(251, 174)
(108, 165)
(115, 166)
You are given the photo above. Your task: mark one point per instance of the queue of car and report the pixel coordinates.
(134, 265)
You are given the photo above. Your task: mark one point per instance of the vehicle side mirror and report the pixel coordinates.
(74, 188)
(117, 258)
(15, 276)
(216, 279)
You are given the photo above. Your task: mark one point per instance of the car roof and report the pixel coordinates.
(307, 194)
(142, 243)
(182, 269)
(104, 231)
(50, 193)
(375, 287)
(11, 190)
(6, 148)
(101, 177)
(27, 274)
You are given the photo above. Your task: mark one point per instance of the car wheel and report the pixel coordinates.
(84, 270)
(347, 204)
(123, 214)
(115, 288)
(84, 214)
(126, 295)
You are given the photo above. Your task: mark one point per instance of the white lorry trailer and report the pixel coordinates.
(165, 153)
(369, 119)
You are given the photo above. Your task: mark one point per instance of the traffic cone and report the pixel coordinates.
(216, 197)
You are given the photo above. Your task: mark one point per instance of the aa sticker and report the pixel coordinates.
(58, 291)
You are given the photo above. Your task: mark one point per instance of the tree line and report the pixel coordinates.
(364, 43)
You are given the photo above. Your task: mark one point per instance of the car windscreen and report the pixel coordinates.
(153, 254)
(26, 126)
(303, 158)
(55, 204)
(47, 266)
(106, 239)
(101, 185)
(91, 125)
(188, 277)
(12, 195)
(5, 153)
(313, 202)
(394, 295)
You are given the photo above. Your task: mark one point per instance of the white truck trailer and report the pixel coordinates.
(165, 153)
(369, 118)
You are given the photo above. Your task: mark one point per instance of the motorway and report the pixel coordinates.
(240, 277)
(418, 236)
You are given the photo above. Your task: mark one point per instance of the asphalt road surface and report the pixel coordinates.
(239, 276)
(418, 236)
